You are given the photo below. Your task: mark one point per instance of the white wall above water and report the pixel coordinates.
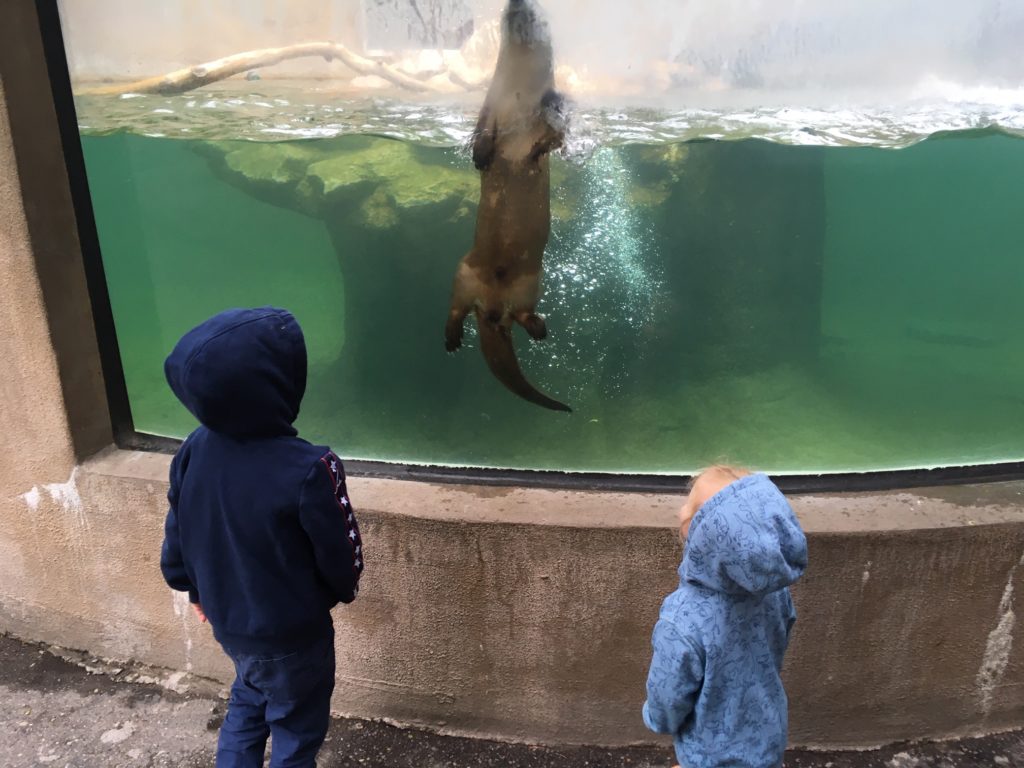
(811, 47)
(129, 39)
(795, 43)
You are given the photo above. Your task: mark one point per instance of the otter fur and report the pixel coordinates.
(521, 123)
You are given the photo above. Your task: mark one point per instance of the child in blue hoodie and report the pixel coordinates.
(714, 682)
(260, 531)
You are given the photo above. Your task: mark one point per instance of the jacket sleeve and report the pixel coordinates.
(172, 559)
(674, 680)
(327, 516)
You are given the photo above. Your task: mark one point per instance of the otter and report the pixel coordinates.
(522, 121)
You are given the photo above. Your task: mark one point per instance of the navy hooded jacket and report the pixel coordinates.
(715, 679)
(260, 529)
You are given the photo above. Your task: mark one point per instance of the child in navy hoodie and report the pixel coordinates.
(260, 532)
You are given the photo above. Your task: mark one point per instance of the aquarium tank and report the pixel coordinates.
(783, 234)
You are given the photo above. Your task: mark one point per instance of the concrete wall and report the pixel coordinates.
(52, 402)
(526, 614)
(517, 613)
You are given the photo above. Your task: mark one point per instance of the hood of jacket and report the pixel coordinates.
(242, 372)
(745, 540)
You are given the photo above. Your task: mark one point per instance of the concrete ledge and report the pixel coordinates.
(944, 507)
(525, 614)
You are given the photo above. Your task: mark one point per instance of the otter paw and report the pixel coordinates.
(483, 150)
(452, 344)
(535, 326)
(453, 337)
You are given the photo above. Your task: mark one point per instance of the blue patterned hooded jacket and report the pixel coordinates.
(714, 682)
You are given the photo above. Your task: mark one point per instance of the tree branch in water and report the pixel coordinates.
(190, 78)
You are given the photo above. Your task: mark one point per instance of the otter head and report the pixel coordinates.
(524, 25)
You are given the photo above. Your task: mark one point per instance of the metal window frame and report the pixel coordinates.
(128, 437)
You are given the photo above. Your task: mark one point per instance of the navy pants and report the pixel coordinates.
(288, 696)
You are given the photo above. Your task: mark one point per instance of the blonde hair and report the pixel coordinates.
(719, 476)
(727, 472)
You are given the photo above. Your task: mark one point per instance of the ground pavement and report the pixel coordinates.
(67, 710)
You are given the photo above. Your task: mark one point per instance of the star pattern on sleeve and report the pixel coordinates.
(337, 473)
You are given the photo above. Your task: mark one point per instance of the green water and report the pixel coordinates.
(793, 308)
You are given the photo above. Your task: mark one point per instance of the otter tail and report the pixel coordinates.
(496, 343)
